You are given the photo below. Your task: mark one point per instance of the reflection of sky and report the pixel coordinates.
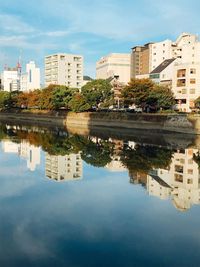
(102, 220)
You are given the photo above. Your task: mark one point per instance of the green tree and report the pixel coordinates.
(78, 103)
(137, 91)
(161, 97)
(97, 92)
(4, 99)
(62, 95)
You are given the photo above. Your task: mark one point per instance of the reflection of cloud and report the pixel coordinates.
(29, 244)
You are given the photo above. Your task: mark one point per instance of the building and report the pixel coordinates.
(114, 64)
(10, 80)
(140, 61)
(30, 80)
(64, 168)
(64, 69)
(164, 72)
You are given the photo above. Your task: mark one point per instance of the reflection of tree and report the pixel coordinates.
(97, 154)
(196, 158)
(145, 158)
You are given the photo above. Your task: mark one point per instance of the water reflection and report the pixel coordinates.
(165, 172)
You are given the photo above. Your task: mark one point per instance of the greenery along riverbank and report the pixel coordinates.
(97, 93)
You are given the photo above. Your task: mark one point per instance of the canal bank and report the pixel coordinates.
(174, 123)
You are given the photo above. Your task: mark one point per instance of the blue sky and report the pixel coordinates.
(89, 27)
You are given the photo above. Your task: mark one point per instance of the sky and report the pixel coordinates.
(92, 28)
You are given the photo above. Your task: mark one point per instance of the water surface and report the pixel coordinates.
(74, 200)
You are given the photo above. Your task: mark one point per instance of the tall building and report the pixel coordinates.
(114, 65)
(140, 61)
(64, 168)
(30, 80)
(64, 69)
(10, 80)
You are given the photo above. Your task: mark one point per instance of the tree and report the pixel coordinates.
(161, 97)
(97, 92)
(78, 103)
(62, 95)
(137, 91)
(4, 99)
(197, 103)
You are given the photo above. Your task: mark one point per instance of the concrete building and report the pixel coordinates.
(64, 69)
(30, 80)
(64, 168)
(10, 80)
(114, 64)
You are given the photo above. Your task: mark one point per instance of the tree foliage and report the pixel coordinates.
(97, 92)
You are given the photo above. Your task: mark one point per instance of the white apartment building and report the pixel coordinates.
(186, 85)
(30, 80)
(64, 69)
(114, 64)
(64, 168)
(10, 80)
(159, 52)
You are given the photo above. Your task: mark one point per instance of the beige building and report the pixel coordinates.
(64, 69)
(140, 61)
(114, 64)
(64, 168)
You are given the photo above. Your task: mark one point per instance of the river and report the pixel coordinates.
(98, 199)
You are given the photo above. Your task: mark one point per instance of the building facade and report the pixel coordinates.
(10, 80)
(114, 64)
(30, 80)
(64, 69)
(64, 168)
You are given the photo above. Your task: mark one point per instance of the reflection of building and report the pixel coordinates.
(115, 165)
(24, 150)
(10, 147)
(61, 168)
(31, 154)
(181, 181)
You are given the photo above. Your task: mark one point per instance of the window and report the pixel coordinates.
(178, 178)
(190, 161)
(179, 168)
(190, 181)
(184, 91)
(190, 171)
(192, 81)
(181, 73)
(192, 91)
(181, 83)
(192, 71)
